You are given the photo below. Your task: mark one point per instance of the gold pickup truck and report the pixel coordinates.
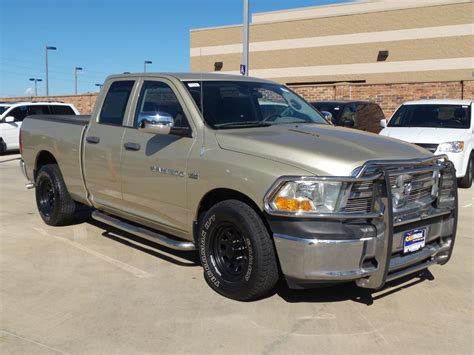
(251, 176)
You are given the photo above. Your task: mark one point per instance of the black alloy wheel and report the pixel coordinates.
(230, 252)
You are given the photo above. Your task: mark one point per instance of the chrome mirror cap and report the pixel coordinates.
(155, 122)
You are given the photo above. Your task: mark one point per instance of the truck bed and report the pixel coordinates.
(61, 136)
(82, 120)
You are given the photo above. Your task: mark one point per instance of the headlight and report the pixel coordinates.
(451, 147)
(306, 196)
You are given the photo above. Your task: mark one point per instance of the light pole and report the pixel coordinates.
(76, 69)
(245, 69)
(36, 84)
(48, 48)
(145, 63)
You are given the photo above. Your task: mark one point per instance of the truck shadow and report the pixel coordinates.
(349, 291)
(323, 294)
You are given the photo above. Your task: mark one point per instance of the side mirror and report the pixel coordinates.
(328, 116)
(383, 123)
(155, 122)
(348, 123)
(9, 119)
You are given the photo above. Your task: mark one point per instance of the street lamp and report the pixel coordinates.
(99, 86)
(48, 48)
(145, 63)
(244, 68)
(36, 84)
(76, 69)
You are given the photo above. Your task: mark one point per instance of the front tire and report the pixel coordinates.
(236, 252)
(3, 146)
(55, 206)
(466, 181)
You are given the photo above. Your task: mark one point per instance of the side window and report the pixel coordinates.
(19, 113)
(157, 98)
(62, 110)
(38, 110)
(115, 102)
(348, 113)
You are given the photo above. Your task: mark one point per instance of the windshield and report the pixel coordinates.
(234, 104)
(3, 109)
(431, 115)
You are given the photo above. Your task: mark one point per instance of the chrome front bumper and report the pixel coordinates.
(377, 256)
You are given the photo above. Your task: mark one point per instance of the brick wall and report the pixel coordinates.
(84, 103)
(388, 96)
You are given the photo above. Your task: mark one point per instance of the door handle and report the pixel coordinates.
(132, 146)
(93, 140)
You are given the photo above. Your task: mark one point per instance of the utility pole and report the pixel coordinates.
(76, 69)
(244, 69)
(145, 63)
(36, 80)
(48, 48)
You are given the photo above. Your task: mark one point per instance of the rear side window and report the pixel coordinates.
(115, 102)
(62, 110)
(38, 110)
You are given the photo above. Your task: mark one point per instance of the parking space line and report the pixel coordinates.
(32, 342)
(124, 266)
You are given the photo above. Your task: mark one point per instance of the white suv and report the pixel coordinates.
(442, 127)
(13, 113)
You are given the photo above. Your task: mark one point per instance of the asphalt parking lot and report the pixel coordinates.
(87, 289)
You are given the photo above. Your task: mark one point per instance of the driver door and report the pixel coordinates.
(154, 166)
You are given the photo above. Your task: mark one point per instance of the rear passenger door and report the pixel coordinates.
(103, 145)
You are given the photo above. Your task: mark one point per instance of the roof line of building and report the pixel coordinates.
(335, 10)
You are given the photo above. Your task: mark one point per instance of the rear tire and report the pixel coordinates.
(466, 181)
(236, 252)
(54, 203)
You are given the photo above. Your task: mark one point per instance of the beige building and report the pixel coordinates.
(363, 42)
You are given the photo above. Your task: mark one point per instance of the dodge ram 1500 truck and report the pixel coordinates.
(251, 176)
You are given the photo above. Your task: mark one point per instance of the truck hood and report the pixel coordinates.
(425, 134)
(319, 149)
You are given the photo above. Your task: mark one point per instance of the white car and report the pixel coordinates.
(13, 113)
(442, 127)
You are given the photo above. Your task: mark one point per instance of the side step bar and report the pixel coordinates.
(142, 232)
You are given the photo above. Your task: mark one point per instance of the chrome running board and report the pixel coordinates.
(142, 232)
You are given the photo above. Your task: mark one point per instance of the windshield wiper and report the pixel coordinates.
(243, 124)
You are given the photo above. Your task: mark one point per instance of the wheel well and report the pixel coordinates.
(218, 195)
(44, 157)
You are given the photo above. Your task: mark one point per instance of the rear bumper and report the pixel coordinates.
(367, 251)
(30, 184)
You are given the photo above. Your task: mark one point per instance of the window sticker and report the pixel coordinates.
(194, 85)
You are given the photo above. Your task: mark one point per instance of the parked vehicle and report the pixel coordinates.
(440, 126)
(190, 162)
(362, 115)
(13, 113)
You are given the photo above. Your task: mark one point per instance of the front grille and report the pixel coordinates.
(413, 189)
(360, 198)
(428, 146)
